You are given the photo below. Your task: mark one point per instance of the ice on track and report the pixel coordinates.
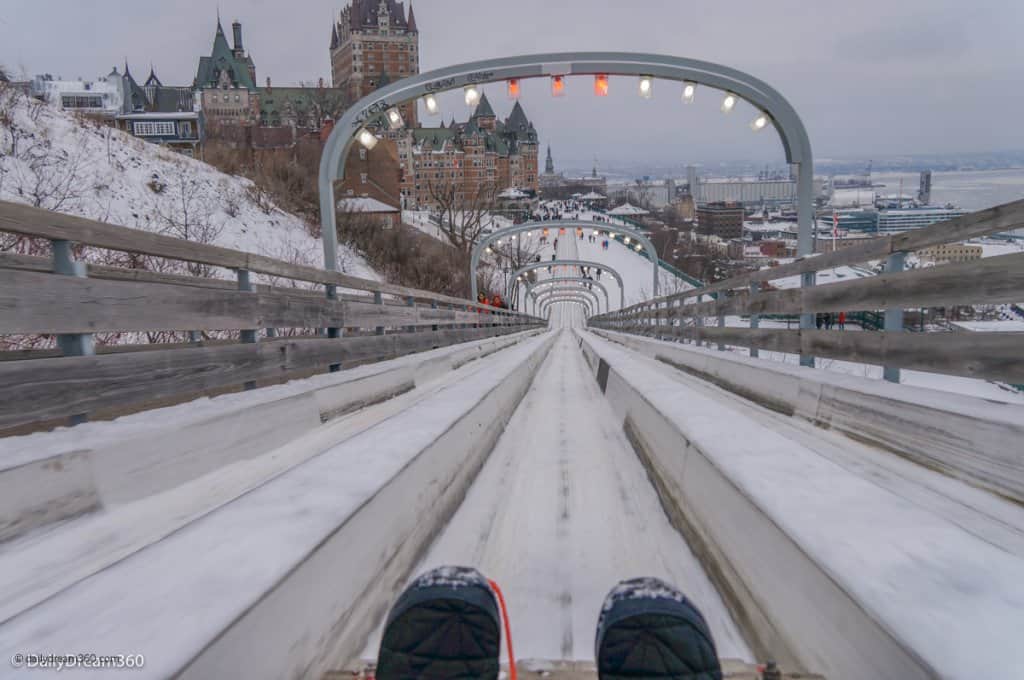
(562, 511)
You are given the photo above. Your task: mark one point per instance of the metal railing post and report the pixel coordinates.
(72, 344)
(893, 315)
(247, 336)
(332, 295)
(378, 299)
(411, 302)
(807, 321)
(755, 320)
(721, 322)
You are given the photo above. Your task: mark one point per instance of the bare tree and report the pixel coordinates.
(325, 102)
(462, 210)
(187, 213)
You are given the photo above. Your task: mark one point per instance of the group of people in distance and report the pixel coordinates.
(828, 320)
(494, 301)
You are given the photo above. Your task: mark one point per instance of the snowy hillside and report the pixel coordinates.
(52, 159)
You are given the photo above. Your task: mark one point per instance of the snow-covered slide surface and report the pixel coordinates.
(562, 511)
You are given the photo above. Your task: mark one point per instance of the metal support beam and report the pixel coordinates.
(378, 299)
(893, 315)
(332, 294)
(755, 320)
(252, 335)
(72, 344)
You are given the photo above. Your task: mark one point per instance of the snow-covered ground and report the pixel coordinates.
(52, 159)
(562, 511)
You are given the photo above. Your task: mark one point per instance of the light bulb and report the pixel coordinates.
(430, 102)
(759, 123)
(367, 138)
(728, 103)
(646, 87)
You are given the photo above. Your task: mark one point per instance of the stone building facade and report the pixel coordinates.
(482, 156)
(374, 42)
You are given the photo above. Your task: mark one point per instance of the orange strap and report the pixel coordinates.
(508, 630)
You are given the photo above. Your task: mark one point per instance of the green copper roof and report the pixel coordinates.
(483, 109)
(221, 60)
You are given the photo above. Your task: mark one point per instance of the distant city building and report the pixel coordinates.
(557, 186)
(484, 154)
(905, 219)
(372, 43)
(226, 81)
(749, 192)
(721, 219)
(951, 252)
(153, 111)
(374, 173)
(101, 98)
(160, 114)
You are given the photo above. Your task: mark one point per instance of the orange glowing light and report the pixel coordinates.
(601, 85)
(513, 88)
(557, 86)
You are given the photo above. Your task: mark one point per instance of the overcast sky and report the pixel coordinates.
(871, 77)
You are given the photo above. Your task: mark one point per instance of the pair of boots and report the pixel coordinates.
(447, 624)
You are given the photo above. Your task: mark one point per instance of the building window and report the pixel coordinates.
(186, 129)
(362, 177)
(154, 129)
(75, 101)
(362, 154)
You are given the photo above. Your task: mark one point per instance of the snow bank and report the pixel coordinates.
(52, 159)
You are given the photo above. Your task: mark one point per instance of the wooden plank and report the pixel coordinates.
(987, 356)
(770, 339)
(29, 221)
(1002, 218)
(45, 264)
(48, 389)
(992, 280)
(32, 302)
(40, 303)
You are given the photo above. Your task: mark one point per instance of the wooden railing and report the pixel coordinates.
(240, 321)
(995, 280)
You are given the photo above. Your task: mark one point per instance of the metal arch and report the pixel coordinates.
(572, 290)
(560, 282)
(791, 130)
(589, 296)
(483, 243)
(571, 263)
(573, 279)
(568, 301)
(551, 298)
